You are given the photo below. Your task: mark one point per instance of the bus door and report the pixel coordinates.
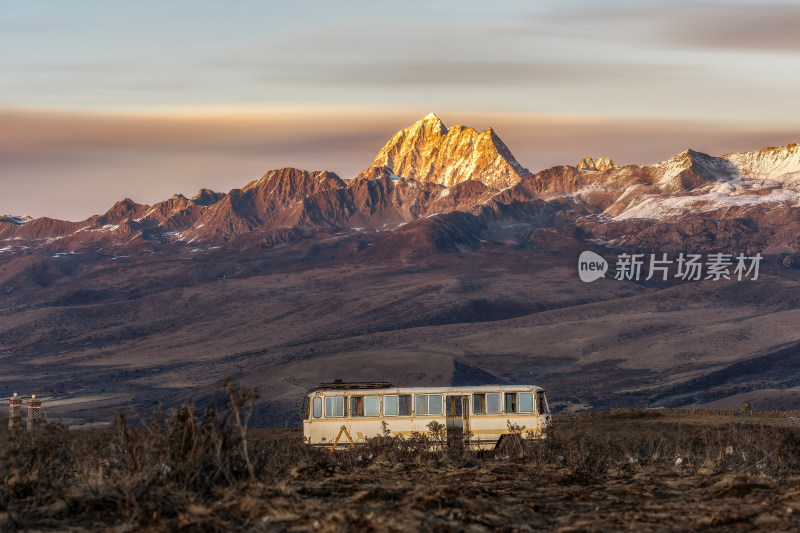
(454, 412)
(465, 414)
(457, 415)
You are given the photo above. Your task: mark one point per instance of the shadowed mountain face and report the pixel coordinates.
(443, 261)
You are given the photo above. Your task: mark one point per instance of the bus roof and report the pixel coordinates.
(339, 390)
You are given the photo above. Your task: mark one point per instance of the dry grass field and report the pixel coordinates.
(195, 470)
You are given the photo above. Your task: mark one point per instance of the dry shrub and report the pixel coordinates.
(438, 447)
(597, 444)
(128, 475)
(208, 471)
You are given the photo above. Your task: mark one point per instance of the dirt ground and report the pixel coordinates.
(506, 496)
(511, 492)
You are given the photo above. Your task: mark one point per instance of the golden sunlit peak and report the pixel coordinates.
(430, 116)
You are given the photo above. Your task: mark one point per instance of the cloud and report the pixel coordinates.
(736, 26)
(73, 165)
(615, 57)
(768, 27)
(474, 73)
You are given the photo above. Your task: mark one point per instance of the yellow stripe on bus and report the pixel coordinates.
(474, 432)
(436, 418)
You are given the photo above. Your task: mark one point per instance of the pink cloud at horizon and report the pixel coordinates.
(71, 165)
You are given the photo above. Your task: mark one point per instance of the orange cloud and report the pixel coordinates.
(71, 165)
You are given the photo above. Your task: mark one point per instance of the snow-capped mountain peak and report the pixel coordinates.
(601, 163)
(430, 152)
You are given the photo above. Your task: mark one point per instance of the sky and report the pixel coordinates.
(102, 100)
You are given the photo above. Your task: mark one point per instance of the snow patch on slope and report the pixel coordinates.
(660, 207)
(768, 163)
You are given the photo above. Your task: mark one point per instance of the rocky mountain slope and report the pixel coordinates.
(427, 170)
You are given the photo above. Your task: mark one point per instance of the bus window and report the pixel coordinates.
(540, 403)
(489, 403)
(317, 401)
(525, 402)
(493, 402)
(511, 402)
(453, 405)
(429, 404)
(334, 406)
(306, 408)
(404, 405)
(390, 407)
(397, 405)
(357, 406)
(365, 406)
(372, 406)
(478, 404)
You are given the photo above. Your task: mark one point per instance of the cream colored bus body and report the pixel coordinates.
(482, 430)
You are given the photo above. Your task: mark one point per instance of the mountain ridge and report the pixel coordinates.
(288, 204)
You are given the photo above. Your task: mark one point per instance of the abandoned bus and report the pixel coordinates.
(483, 414)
